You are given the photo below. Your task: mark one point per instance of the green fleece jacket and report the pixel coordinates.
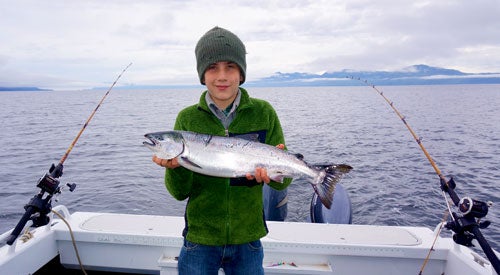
(223, 211)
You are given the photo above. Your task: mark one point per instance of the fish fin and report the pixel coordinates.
(277, 178)
(299, 156)
(283, 202)
(276, 175)
(342, 168)
(188, 161)
(333, 174)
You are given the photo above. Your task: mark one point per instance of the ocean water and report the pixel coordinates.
(392, 182)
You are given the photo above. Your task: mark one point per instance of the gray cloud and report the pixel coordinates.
(84, 43)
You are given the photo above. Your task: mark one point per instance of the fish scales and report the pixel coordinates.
(232, 157)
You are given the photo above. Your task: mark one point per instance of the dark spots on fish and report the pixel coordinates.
(203, 138)
(257, 136)
(249, 137)
(247, 144)
(207, 140)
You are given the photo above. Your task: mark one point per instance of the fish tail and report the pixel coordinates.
(330, 176)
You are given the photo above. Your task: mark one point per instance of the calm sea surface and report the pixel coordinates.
(392, 182)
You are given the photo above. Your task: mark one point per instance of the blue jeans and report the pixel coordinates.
(234, 259)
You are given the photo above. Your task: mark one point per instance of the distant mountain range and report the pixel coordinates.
(413, 75)
(13, 89)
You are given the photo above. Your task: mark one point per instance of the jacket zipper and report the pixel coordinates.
(228, 190)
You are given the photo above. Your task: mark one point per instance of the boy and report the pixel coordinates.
(224, 217)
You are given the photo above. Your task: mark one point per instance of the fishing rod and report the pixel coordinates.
(467, 223)
(38, 207)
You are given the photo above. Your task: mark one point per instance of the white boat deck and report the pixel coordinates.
(150, 245)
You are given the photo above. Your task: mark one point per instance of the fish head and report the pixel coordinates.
(165, 145)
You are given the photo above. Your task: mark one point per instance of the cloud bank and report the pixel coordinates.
(79, 44)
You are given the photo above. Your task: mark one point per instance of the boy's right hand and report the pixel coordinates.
(167, 163)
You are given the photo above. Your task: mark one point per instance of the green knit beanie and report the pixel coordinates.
(217, 45)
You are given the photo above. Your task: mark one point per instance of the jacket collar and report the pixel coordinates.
(245, 101)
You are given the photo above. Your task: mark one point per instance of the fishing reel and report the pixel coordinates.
(466, 205)
(474, 208)
(49, 182)
(39, 206)
(466, 223)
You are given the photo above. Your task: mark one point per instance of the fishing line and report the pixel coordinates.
(417, 139)
(70, 148)
(415, 136)
(77, 254)
(466, 225)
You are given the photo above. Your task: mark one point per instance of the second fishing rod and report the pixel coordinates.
(466, 223)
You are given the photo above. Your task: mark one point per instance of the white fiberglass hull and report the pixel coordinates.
(150, 244)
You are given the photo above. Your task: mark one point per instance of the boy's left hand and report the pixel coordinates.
(260, 174)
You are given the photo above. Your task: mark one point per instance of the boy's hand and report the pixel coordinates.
(167, 163)
(260, 174)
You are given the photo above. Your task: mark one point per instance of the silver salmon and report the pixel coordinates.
(232, 157)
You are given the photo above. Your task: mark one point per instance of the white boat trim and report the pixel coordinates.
(150, 244)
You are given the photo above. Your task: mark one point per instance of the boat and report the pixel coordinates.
(148, 244)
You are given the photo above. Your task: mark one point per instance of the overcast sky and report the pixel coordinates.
(64, 44)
